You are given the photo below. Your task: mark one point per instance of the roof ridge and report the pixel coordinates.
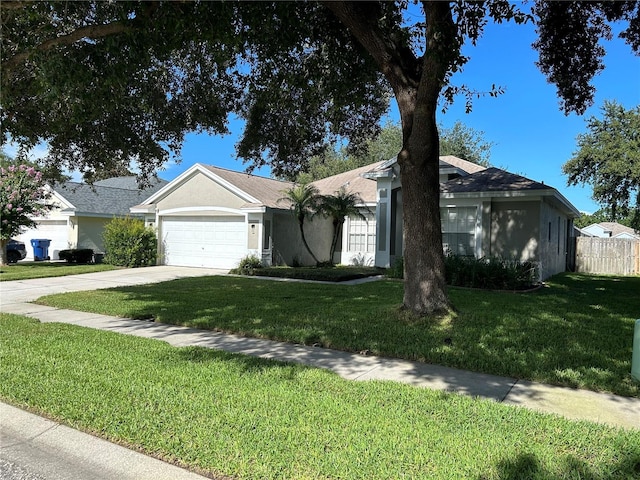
(247, 174)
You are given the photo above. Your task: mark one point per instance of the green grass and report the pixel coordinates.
(26, 270)
(577, 331)
(249, 418)
(337, 273)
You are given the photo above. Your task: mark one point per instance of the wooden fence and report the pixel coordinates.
(615, 256)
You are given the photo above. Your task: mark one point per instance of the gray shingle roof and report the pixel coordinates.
(491, 180)
(104, 200)
(131, 183)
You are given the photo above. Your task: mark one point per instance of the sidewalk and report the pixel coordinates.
(574, 404)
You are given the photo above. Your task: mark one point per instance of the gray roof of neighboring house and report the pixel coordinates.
(103, 200)
(268, 191)
(491, 180)
(131, 183)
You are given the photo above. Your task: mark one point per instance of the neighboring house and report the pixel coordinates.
(213, 217)
(609, 230)
(80, 212)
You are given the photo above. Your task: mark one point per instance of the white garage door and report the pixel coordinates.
(214, 242)
(54, 230)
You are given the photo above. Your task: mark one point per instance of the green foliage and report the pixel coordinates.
(490, 273)
(335, 160)
(461, 141)
(129, 243)
(328, 273)
(302, 75)
(484, 273)
(248, 265)
(466, 143)
(77, 255)
(608, 158)
(604, 215)
(397, 270)
(337, 207)
(303, 200)
(22, 197)
(25, 271)
(175, 80)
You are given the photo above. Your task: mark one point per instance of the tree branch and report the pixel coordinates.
(397, 62)
(91, 31)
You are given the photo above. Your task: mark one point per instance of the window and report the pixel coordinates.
(458, 230)
(362, 234)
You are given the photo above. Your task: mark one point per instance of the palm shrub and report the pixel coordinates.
(303, 202)
(128, 243)
(337, 207)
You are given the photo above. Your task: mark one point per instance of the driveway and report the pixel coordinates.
(21, 291)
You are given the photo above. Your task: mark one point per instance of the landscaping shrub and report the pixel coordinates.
(397, 271)
(76, 255)
(488, 273)
(247, 265)
(129, 243)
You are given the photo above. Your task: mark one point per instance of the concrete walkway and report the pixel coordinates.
(574, 404)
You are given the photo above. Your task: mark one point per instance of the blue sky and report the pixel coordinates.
(532, 136)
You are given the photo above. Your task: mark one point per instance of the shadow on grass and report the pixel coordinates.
(528, 466)
(575, 332)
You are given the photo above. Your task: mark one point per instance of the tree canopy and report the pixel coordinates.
(608, 158)
(107, 83)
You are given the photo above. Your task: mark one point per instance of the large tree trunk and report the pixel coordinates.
(3, 251)
(416, 83)
(425, 285)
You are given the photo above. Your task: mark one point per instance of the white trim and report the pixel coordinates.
(195, 168)
(536, 195)
(199, 210)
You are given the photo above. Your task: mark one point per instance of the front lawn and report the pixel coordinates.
(233, 415)
(577, 331)
(26, 270)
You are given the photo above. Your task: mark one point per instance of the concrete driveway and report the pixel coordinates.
(20, 291)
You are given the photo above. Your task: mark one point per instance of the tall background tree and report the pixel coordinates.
(608, 159)
(459, 140)
(109, 83)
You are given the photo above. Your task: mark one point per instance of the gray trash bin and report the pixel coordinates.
(635, 355)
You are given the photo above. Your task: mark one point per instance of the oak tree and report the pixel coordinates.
(108, 83)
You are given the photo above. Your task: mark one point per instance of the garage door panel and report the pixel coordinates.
(54, 230)
(215, 242)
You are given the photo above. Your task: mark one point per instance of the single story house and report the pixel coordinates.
(485, 212)
(80, 211)
(609, 230)
(213, 217)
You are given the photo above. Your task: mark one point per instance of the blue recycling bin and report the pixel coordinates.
(40, 248)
